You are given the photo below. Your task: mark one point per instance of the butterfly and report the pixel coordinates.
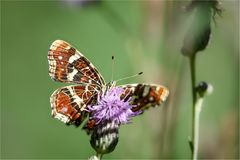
(68, 104)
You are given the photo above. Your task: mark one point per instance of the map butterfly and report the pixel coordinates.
(68, 104)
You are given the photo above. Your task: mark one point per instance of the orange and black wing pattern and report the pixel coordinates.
(145, 95)
(66, 64)
(68, 104)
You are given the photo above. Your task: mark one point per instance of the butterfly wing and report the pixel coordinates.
(145, 95)
(68, 103)
(66, 64)
(142, 97)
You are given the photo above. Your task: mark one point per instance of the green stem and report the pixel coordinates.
(193, 77)
(194, 94)
(198, 107)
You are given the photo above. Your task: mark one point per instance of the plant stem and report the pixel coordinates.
(194, 97)
(193, 77)
(198, 107)
(99, 156)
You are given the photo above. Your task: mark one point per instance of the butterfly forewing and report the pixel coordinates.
(69, 103)
(66, 64)
(145, 95)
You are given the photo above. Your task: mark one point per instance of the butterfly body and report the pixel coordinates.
(69, 104)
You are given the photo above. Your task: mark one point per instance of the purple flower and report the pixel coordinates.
(111, 107)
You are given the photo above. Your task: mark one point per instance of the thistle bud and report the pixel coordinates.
(199, 32)
(104, 138)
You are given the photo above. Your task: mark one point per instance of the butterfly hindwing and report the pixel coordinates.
(145, 95)
(69, 103)
(142, 97)
(66, 64)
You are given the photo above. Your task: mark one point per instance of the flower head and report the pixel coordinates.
(111, 107)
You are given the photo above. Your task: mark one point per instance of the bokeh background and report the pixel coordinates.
(143, 36)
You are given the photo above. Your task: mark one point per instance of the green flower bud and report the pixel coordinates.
(199, 32)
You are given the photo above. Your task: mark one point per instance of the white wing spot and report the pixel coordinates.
(151, 98)
(71, 75)
(76, 98)
(73, 58)
(64, 110)
(146, 91)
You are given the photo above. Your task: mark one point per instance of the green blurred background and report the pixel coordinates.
(144, 36)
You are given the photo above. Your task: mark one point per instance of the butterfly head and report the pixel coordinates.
(109, 86)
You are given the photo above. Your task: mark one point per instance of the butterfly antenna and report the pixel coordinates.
(112, 67)
(135, 75)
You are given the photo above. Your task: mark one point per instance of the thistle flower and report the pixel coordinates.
(111, 107)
